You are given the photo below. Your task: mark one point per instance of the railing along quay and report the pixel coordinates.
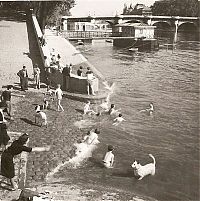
(89, 34)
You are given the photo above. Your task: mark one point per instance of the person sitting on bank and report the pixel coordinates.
(17, 147)
(87, 110)
(90, 84)
(80, 71)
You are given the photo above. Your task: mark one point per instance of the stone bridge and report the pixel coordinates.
(172, 22)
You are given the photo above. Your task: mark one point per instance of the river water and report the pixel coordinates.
(170, 81)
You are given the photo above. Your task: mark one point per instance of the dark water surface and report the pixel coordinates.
(170, 81)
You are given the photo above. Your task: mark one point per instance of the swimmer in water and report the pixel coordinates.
(150, 110)
(112, 110)
(92, 137)
(118, 120)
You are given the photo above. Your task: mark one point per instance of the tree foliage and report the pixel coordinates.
(47, 12)
(176, 8)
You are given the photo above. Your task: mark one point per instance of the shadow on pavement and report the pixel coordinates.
(28, 121)
(11, 15)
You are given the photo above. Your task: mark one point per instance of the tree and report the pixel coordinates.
(125, 9)
(176, 8)
(47, 12)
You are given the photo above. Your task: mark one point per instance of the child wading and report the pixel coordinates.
(59, 94)
(109, 157)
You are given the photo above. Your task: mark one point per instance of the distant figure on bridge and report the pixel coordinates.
(36, 72)
(23, 75)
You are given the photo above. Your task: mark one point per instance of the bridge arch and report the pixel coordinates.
(132, 21)
(164, 29)
(164, 23)
(188, 24)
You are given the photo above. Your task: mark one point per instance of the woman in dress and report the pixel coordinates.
(4, 138)
(17, 147)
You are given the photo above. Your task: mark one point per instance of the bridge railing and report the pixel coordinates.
(88, 34)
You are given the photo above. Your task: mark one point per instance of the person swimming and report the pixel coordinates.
(118, 120)
(112, 110)
(149, 110)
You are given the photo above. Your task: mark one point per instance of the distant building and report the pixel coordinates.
(137, 30)
(139, 9)
(84, 26)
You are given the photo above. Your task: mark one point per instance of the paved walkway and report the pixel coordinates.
(14, 50)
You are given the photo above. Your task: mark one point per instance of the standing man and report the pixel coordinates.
(23, 74)
(66, 77)
(6, 100)
(47, 70)
(36, 72)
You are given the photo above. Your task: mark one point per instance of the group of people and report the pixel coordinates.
(109, 156)
(92, 137)
(104, 108)
(24, 78)
(17, 146)
(90, 78)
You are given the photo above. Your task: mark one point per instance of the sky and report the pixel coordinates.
(104, 7)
